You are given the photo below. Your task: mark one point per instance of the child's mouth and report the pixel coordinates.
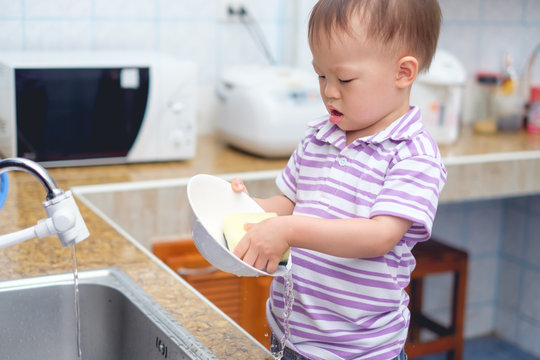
(335, 116)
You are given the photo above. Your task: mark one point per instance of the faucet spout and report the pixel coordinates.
(35, 169)
(64, 218)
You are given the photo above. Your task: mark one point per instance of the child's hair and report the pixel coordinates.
(405, 25)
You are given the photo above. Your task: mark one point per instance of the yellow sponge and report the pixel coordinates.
(233, 229)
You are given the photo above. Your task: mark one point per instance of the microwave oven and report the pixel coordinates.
(91, 108)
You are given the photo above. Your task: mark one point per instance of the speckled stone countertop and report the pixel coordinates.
(479, 167)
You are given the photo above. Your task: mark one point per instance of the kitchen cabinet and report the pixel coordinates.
(243, 299)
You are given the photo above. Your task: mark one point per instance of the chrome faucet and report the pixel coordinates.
(64, 218)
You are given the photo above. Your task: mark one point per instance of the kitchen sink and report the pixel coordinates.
(118, 320)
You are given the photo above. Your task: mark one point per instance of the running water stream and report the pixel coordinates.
(76, 298)
(288, 301)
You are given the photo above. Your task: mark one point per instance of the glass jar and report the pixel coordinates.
(484, 110)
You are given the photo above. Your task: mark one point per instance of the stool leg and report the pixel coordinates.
(458, 311)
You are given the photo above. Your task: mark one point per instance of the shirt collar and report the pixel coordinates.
(404, 128)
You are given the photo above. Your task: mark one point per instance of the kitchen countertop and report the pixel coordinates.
(479, 167)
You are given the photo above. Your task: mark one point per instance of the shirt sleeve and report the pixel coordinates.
(287, 180)
(411, 191)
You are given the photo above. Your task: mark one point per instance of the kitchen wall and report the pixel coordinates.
(189, 29)
(476, 31)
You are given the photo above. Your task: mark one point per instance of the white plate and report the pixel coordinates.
(211, 197)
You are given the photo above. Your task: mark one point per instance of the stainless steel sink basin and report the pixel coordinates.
(118, 321)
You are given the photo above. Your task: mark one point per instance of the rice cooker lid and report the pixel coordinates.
(253, 76)
(445, 69)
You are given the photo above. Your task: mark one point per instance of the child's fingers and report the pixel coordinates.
(238, 185)
(272, 266)
(260, 263)
(241, 248)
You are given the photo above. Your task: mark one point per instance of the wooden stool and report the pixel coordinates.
(434, 257)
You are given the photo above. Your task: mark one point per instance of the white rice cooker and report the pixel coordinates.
(265, 110)
(439, 94)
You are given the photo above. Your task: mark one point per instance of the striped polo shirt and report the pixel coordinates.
(353, 308)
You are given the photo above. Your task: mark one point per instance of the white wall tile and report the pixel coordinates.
(11, 8)
(532, 240)
(200, 10)
(509, 285)
(479, 320)
(57, 8)
(450, 224)
(11, 35)
(191, 41)
(506, 325)
(461, 11)
(236, 47)
(530, 296)
(451, 40)
(528, 335)
(532, 12)
(482, 280)
(437, 295)
(514, 232)
(125, 35)
(125, 9)
(519, 203)
(495, 41)
(502, 10)
(533, 202)
(484, 227)
(58, 35)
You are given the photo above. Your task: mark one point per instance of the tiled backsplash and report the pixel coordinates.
(502, 238)
(476, 31)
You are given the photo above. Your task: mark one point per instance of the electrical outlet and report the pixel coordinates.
(230, 10)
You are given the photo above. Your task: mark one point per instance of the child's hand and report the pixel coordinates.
(238, 185)
(264, 244)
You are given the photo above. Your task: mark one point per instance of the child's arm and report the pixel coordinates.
(265, 242)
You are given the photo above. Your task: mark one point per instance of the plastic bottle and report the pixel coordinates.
(533, 113)
(531, 86)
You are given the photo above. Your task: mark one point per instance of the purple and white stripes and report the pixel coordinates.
(357, 308)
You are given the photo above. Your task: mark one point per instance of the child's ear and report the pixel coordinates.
(407, 69)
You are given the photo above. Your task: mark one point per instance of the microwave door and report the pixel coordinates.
(72, 114)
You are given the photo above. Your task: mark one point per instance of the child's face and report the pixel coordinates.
(357, 83)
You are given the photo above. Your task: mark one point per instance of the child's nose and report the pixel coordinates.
(330, 90)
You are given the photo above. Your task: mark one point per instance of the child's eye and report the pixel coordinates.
(345, 81)
(321, 77)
